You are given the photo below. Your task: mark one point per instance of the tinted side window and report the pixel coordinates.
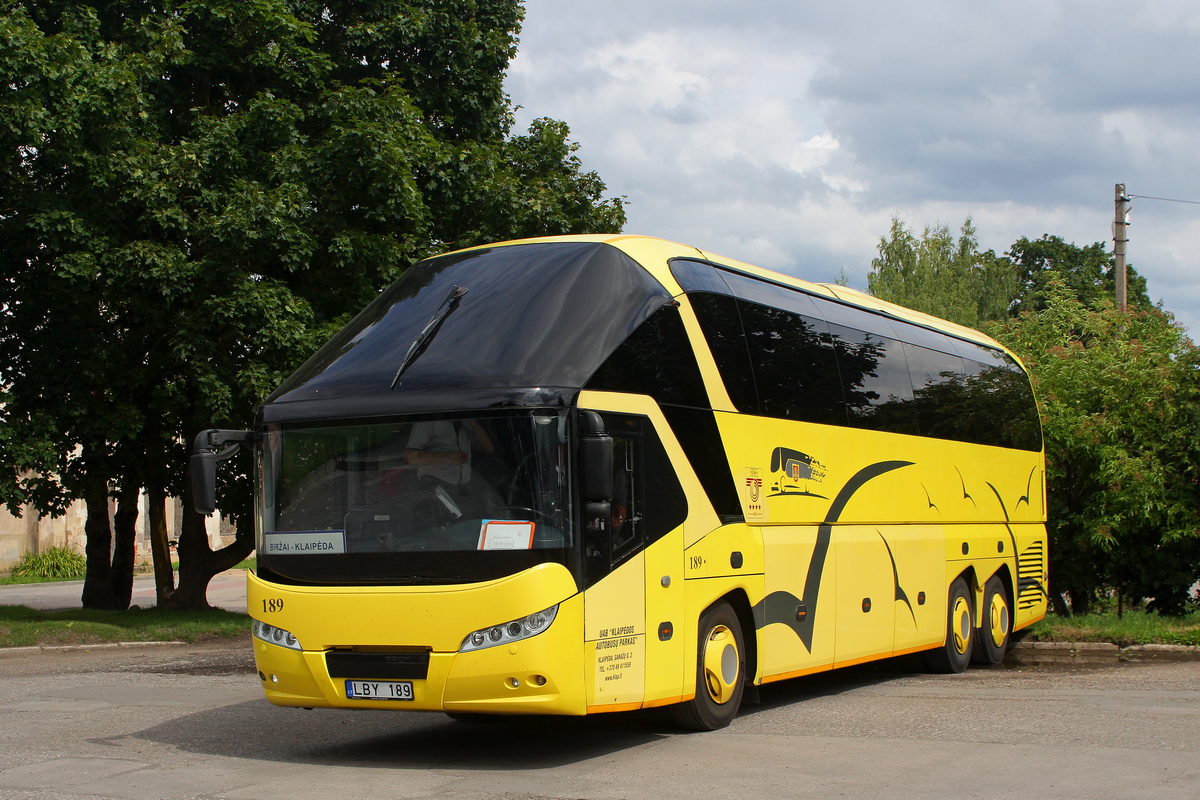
(1003, 405)
(771, 294)
(923, 337)
(657, 360)
(795, 369)
(875, 381)
(722, 327)
(697, 276)
(856, 318)
(698, 435)
(940, 394)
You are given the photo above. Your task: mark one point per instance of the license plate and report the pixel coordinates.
(379, 690)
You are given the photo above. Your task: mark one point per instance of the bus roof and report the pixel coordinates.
(654, 254)
(514, 323)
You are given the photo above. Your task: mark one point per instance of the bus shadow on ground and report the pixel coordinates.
(257, 730)
(828, 684)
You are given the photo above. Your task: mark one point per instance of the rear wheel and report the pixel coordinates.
(992, 642)
(720, 672)
(955, 653)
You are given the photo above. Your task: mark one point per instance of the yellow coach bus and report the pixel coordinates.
(597, 473)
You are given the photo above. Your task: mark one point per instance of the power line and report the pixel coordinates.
(1164, 199)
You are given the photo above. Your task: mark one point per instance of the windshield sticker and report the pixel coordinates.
(506, 534)
(304, 542)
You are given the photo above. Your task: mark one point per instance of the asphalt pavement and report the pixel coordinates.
(226, 590)
(190, 721)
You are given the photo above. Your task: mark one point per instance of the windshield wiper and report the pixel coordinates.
(430, 330)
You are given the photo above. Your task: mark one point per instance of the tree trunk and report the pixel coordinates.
(1060, 604)
(97, 582)
(160, 549)
(125, 525)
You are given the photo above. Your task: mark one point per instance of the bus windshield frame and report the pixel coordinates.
(423, 499)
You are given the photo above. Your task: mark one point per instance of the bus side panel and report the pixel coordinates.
(665, 608)
(800, 473)
(920, 585)
(796, 636)
(614, 613)
(866, 617)
(728, 560)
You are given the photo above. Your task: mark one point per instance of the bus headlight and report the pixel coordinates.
(274, 635)
(507, 632)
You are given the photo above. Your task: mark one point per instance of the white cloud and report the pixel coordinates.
(788, 133)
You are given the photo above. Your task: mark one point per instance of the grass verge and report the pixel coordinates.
(1134, 627)
(7, 580)
(24, 627)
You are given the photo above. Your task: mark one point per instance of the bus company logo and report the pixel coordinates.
(795, 473)
(755, 510)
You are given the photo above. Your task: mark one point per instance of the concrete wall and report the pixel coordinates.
(30, 533)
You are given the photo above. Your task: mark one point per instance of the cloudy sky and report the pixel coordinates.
(787, 133)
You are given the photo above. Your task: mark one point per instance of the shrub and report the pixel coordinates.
(55, 562)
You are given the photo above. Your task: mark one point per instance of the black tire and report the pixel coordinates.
(995, 620)
(720, 672)
(955, 653)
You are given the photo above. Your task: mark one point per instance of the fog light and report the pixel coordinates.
(513, 682)
(540, 680)
(274, 679)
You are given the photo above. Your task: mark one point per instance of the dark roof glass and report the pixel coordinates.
(535, 315)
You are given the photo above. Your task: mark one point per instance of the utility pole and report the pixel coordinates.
(1120, 238)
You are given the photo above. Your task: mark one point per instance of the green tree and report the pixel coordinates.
(939, 275)
(196, 194)
(1118, 396)
(1087, 273)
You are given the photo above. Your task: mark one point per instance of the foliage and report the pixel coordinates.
(56, 563)
(1118, 395)
(196, 194)
(954, 280)
(935, 274)
(1087, 272)
(24, 627)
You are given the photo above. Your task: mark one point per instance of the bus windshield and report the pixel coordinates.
(445, 499)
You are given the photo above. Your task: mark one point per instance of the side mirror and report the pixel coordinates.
(205, 457)
(595, 463)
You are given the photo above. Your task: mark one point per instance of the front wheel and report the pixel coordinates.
(955, 653)
(720, 672)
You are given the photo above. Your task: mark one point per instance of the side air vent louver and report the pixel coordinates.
(1030, 567)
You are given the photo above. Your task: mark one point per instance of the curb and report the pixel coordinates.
(1038, 653)
(72, 648)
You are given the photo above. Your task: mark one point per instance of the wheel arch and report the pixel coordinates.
(739, 601)
(974, 586)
